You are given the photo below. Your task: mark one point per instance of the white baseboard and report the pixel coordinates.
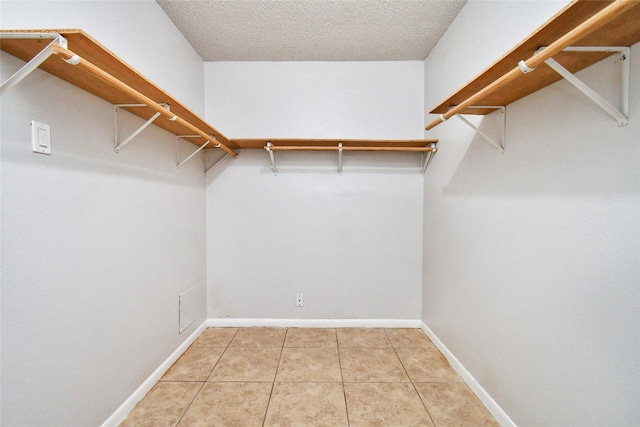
(315, 323)
(482, 394)
(121, 413)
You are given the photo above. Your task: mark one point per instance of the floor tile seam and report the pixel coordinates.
(189, 405)
(377, 382)
(273, 384)
(362, 349)
(238, 381)
(216, 364)
(460, 381)
(254, 346)
(402, 364)
(208, 346)
(230, 340)
(424, 404)
(310, 346)
(308, 382)
(388, 338)
(414, 347)
(344, 391)
(415, 388)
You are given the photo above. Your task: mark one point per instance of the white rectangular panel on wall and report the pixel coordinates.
(187, 308)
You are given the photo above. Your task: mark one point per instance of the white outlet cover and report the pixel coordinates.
(40, 137)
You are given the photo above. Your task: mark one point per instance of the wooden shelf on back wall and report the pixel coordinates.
(88, 48)
(623, 30)
(260, 143)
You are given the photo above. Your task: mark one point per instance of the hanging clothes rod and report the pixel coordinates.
(343, 148)
(614, 9)
(73, 59)
(427, 152)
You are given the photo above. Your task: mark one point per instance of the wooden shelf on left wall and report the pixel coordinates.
(88, 48)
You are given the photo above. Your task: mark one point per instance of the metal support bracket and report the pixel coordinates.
(427, 157)
(216, 163)
(178, 138)
(622, 117)
(117, 145)
(272, 155)
(339, 157)
(499, 145)
(35, 62)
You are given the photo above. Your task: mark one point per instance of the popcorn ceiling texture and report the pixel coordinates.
(312, 30)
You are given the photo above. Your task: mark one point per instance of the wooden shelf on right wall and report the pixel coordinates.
(623, 30)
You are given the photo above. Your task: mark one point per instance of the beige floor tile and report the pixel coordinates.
(359, 337)
(408, 338)
(259, 337)
(195, 364)
(216, 337)
(376, 404)
(426, 365)
(313, 369)
(307, 404)
(309, 364)
(453, 404)
(228, 404)
(163, 405)
(371, 365)
(247, 364)
(311, 337)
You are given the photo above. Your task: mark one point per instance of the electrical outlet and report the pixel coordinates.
(299, 300)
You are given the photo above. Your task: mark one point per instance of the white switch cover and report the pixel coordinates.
(40, 137)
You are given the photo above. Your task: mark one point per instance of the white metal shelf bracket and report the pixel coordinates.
(190, 156)
(272, 156)
(428, 156)
(216, 163)
(117, 145)
(499, 145)
(339, 157)
(35, 62)
(622, 115)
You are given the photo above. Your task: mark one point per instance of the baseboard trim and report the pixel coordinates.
(121, 413)
(315, 323)
(474, 385)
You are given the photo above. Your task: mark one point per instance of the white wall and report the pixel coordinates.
(531, 257)
(350, 243)
(137, 31)
(96, 246)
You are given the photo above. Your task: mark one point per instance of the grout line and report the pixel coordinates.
(424, 404)
(344, 391)
(190, 403)
(205, 380)
(273, 384)
(411, 381)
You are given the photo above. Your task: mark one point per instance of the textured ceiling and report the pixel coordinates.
(312, 30)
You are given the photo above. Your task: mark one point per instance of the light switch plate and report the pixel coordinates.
(40, 137)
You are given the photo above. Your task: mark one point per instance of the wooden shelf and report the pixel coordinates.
(86, 47)
(621, 31)
(427, 147)
(260, 143)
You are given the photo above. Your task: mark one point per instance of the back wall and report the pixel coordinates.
(351, 243)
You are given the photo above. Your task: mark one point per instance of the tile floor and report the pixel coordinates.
(310, 377)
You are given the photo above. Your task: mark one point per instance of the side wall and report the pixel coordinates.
(531, 257)
(351, 243)
(96, 246)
